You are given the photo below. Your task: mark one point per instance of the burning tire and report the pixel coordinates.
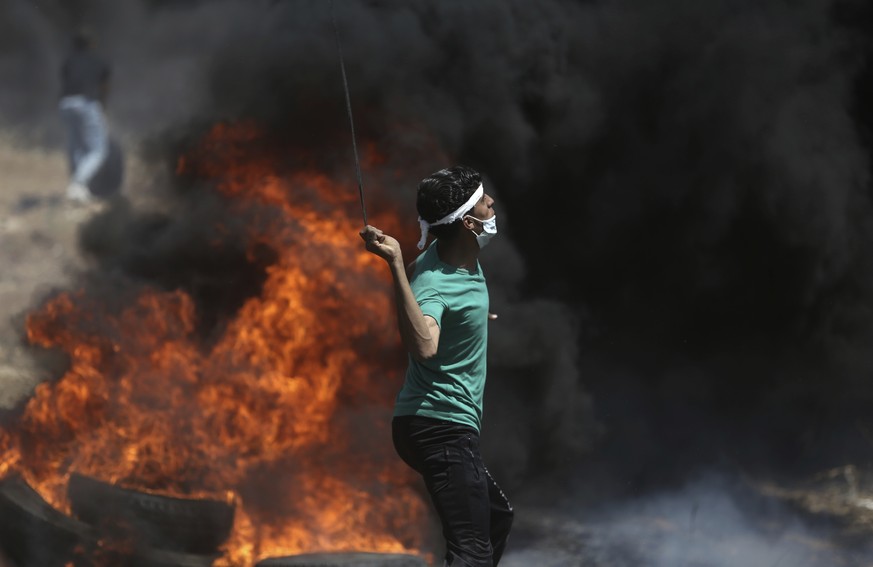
(360, 559)
(32, 532)
(108, 179)
(190, 526)
(97, 556)
(160, 558)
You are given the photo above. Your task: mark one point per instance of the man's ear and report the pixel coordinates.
(468, 222)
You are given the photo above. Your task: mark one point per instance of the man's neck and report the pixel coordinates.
(459, 253)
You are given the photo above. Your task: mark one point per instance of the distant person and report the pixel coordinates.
(84, 90)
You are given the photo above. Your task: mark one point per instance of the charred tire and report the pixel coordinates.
(358, 559)
(163, 558)
(143, 557)
(32, 532)
(192, 526)
(108, 179)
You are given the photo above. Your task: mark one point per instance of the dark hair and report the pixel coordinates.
(444, 191)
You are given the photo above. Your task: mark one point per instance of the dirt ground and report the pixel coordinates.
(38, 248)
(38, 234)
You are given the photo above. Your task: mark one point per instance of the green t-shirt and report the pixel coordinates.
(450, 385)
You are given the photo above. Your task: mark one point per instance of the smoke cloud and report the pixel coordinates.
(683, 190)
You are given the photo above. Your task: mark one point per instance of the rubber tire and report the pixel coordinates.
(354, 559)
(192, 526)
(162, 558)
(32, 532)
(106, 183)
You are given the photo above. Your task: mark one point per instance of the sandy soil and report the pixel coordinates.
(38, 235)
(38, 249)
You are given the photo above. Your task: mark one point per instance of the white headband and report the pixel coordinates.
(451, 217)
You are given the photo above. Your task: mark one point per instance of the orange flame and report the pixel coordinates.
(252, 415)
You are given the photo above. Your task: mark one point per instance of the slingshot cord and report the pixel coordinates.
(349, 110)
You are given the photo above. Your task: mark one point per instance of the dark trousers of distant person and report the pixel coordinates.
(475, 514)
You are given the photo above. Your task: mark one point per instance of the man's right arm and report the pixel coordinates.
(420, 333)
(63, 76)
(104, 87)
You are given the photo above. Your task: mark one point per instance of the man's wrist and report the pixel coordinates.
(397, 265)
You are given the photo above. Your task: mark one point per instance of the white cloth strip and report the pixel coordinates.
(451, 217)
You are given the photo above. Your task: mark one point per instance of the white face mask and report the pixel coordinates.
(489, 230)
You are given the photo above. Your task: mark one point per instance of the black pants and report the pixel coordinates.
(476, 516)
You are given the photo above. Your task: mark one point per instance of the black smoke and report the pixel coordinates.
(683, 274)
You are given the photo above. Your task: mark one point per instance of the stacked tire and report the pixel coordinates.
(107, 182)
(140, 529)
(117, 526)
(35, 534)
(354, 559)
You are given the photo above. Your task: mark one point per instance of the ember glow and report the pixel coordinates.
(269, 411)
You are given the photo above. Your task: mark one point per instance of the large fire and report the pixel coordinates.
(251, 413)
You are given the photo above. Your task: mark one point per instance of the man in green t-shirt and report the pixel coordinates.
(442, 311)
